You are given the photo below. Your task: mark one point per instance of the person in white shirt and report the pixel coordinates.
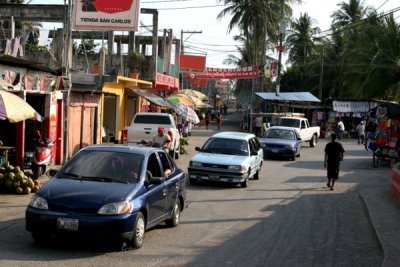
(339, 128)
(258, 124)
(361, 132)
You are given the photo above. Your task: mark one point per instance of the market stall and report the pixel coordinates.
(383, 133)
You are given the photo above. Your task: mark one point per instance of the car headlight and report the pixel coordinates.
(196, 164)
(290, 147)
(240, 168)
(115, 208)
(39, 203)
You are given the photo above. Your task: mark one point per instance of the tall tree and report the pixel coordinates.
(300, 39)
(349, 13)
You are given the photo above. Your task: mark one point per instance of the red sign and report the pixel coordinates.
(214, 73)
(110, 7)
(192, 63)
(166, 81)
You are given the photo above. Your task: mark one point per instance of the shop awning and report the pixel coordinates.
(153, 98)
(289, 96)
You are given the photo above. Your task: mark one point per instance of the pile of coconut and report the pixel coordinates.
(14, 180)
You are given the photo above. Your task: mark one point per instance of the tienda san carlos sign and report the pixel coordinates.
(106, 15)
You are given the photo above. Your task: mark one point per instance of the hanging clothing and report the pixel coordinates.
(8, 50)
(43, 37)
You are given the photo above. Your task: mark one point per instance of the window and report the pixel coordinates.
(153, 166)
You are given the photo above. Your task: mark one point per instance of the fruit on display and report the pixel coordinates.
(14, 180)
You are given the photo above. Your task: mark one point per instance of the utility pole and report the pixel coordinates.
(282, 29)
(182, 51)
(182, 32)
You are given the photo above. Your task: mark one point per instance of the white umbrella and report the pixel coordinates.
(186, 113)
(16, 109)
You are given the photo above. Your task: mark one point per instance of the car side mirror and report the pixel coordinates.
(254, 153)
(197, 148)
(156, 180)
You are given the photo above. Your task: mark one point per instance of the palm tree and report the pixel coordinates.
(375, 70)
(349, 13)
(300, 39)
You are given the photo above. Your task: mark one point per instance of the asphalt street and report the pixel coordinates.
(372, 190)
(288, 218)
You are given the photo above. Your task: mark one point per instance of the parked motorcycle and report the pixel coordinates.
(43, 155)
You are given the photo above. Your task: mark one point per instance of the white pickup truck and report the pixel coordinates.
(144, 126)
(307, 133)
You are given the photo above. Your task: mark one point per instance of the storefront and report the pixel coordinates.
(119, 104)
(37, 86)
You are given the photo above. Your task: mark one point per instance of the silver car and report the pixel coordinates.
(232, 157)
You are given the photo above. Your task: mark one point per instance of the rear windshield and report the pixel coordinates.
(288, 122)
(152, 119)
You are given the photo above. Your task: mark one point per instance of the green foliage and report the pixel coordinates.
(87, 46)
(137, 61)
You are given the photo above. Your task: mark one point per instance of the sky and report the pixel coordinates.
(214, 41)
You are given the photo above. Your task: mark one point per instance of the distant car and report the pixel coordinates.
(279, 141)
(111, 192)
(232, 157)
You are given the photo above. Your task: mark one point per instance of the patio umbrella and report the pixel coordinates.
(197, 102)
(16, 109)
(180, 99)
(193, 93)
(186, 112)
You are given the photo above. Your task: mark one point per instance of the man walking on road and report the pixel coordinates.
(333, 156)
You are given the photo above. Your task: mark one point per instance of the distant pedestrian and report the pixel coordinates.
(333, 156)
(258, 125)
(339, 128)
(360, 128)
(219, 121)
(208, 119)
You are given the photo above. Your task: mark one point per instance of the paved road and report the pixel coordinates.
(287, 218)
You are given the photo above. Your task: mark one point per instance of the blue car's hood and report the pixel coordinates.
(277, 141)
(222, 159)
(80, 193)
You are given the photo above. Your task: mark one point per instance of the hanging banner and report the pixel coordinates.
(216, 73)
(106, 15)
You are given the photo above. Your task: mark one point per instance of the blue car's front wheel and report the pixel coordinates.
(138, 231)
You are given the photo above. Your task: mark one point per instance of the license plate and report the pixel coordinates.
(275, 150)
(67, 224)
(214, 177)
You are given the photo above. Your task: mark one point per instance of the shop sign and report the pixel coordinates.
(216, 73)
(106, 15)
(166, 80)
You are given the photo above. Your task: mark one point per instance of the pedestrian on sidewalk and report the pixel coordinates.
(333, 156)
(219, 121)
(208, 119)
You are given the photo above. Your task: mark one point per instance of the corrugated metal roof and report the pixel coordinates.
(156, 99)
(289, 96)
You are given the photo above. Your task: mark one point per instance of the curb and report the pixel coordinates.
(376, 233)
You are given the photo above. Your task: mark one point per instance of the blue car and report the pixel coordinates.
(279, 141)
(112, 192)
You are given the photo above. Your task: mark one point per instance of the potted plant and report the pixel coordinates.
(136, 62)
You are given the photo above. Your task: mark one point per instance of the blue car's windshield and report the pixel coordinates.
(280, 134)
(107, 166)
(226, 146)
